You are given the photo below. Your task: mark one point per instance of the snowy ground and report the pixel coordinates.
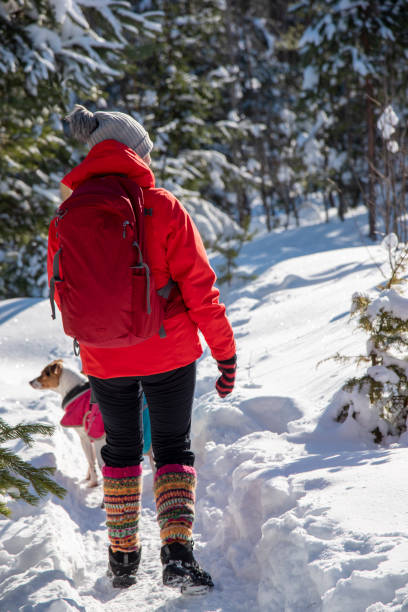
(295, 511)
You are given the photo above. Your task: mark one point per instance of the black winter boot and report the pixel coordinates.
(180, 569)
(123, 567)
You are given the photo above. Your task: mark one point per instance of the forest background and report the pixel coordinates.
(255, 107)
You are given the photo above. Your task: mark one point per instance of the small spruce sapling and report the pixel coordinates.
(230, 250)
(382, 391)
(19, 479)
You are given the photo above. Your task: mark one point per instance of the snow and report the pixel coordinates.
(387, 122)
(261, 24)
(389, 301)
(382, 374)
(295, 511)
(62, 40)
(393, 146)
(310, 36)
(360, 63)
(310, 78)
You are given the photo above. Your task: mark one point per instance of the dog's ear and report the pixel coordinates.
(55, 367)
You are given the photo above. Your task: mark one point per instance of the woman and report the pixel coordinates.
(163, 367)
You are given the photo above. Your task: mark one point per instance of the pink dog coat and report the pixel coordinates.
(80, 413)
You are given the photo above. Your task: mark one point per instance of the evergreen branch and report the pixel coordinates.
(37, 477)
(23, 431)
(400, 264)
(4, 510)
(358, 359)
(16, 488)
(17, 475)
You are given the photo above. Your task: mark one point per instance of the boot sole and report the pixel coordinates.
(196, 589)
(187, 585)
(121, 582)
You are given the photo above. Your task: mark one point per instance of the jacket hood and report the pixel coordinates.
(110, 157)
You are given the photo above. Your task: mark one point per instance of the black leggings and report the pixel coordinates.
(170, 399)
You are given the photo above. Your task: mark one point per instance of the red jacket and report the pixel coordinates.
(175, 250)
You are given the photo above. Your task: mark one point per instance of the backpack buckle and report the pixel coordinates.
(77, 348)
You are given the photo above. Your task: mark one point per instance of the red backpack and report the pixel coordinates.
(106, 291)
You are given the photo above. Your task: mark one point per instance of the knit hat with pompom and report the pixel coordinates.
(92, 128)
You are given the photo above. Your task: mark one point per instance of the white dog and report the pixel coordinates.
(80, 414)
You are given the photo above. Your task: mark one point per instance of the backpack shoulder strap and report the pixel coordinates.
(54, 279)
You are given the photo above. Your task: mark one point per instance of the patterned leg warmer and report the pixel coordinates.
(122, 496)
(174, 489)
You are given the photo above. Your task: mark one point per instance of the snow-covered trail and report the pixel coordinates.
(294, 513)
(55, 555)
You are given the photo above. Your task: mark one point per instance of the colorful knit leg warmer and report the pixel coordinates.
(122, 496)
(174, 489)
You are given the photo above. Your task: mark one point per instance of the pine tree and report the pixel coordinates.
(354, 58)
(262, 53)
(209, 87)
(173, 85)
(51, 53)
(19, 480)
(230, 249)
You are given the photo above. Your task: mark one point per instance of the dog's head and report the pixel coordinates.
(49, 377)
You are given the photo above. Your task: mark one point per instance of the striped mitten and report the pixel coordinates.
(122, 496)
(174, 489)
(226, 381)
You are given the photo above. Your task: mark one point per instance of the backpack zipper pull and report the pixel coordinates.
(125, 224)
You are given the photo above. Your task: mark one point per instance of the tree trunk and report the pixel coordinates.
(370, 198)
(342, 205)
(264, 194)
